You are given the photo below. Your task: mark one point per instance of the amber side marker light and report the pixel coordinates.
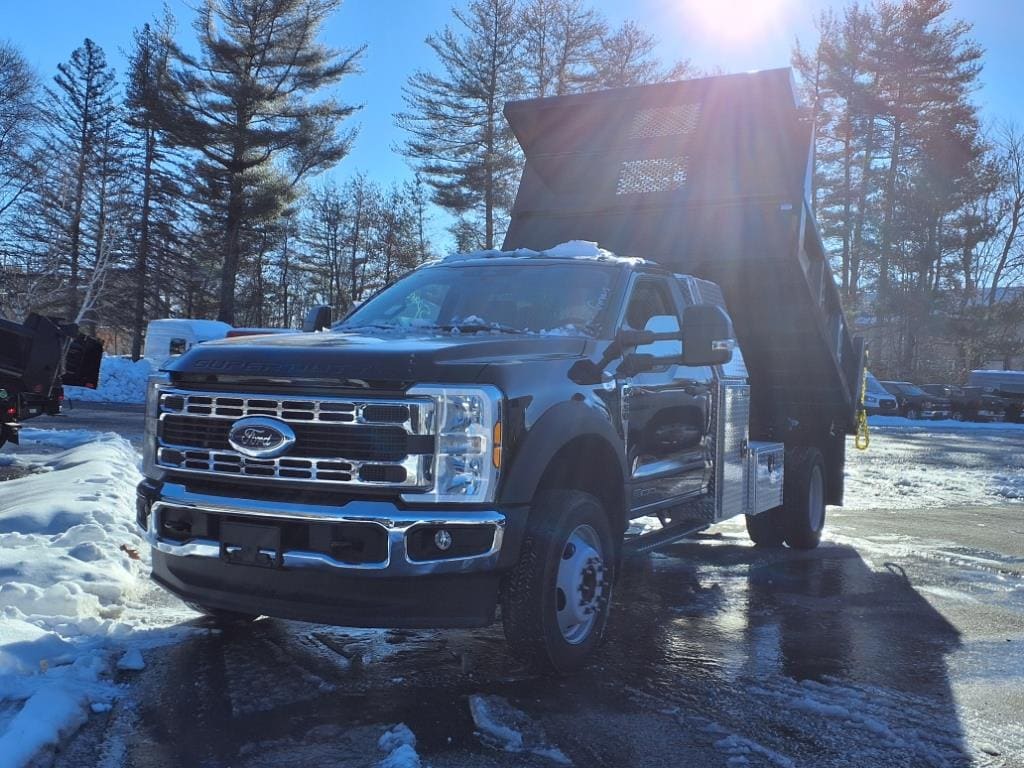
(496, 442)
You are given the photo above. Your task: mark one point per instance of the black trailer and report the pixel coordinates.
(711, 177)
(37, 358)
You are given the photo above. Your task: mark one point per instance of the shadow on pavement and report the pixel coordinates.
(715, 650)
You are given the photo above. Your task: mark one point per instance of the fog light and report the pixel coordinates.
(442, 540)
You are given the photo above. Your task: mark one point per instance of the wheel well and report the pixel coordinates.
(588, 463)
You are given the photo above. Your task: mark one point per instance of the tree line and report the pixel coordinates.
(919, 200)
(202, 183)
(195, 185)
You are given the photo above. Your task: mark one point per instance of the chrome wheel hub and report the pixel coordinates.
(581, 584)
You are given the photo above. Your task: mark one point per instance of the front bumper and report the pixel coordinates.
(396, 579)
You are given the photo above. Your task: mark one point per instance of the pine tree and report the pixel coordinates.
(80, 113)
(245, 104)
(561, 40)
(158, 188)
(18, 118)
(458, 140)
(626, 57)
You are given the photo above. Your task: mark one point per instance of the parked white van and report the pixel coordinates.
(171, 337)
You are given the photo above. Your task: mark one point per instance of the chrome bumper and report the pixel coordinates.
(398, 524)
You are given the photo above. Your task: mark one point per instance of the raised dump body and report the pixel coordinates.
(709, 177)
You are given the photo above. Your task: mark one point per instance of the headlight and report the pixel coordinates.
(467, 421)
(153, 387)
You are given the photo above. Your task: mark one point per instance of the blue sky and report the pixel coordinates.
(733, 35)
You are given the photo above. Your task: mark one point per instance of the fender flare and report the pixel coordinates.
(555, 429)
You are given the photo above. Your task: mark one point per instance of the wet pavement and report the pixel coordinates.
(899, 642)
(717, 654)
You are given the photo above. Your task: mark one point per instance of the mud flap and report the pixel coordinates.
(8, 434)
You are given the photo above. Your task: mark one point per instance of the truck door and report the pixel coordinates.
(665, 409)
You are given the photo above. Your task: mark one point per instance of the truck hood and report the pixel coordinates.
(361, 358)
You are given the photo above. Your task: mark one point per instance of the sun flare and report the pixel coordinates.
(733, 20)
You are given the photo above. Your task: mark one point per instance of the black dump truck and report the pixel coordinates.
(481, 434)
(37, 359)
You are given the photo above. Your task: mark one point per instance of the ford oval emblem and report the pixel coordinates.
(261, 437)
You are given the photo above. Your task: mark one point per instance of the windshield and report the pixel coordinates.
(875, 386)
(561, 299)
(905, 388)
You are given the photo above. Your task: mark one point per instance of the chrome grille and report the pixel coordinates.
(342, 441)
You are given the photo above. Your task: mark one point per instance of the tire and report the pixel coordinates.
(959, 416)
(803, 494)
(223, 618)
(568, 549)
(765, 529)
(913, 414)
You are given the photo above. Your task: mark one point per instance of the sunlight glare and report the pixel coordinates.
(732, 20)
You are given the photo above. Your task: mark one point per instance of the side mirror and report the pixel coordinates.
(708, 338)
(317, 319)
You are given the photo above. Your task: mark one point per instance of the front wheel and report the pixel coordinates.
(913, 414)
(556, 599)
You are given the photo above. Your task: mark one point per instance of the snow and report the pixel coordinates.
(396, 737)
(582, 250)
(504, 727)
(75, 594)
(944, 425)
(915, 464)
(400, 745)
(121, 381)
(132, 660)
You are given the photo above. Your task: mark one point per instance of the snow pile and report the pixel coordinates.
(68, 546)
(121, 381)
(400, 745)
(504, 727)
(73, 570)
(583, 250)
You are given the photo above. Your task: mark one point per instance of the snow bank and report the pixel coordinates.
(74, 588)
(941, 425)
(121, 381)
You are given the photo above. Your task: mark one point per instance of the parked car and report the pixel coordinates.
(915, 403)
(1008, 385)
(878, 400)
(970, 403)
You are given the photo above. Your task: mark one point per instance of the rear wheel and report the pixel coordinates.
(913, 413)
(803, 494)
(765, 529)
(556, 599)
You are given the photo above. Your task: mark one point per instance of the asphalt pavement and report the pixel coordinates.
(717, 654)
(899, 642)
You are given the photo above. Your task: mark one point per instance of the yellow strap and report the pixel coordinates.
(863, 438)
